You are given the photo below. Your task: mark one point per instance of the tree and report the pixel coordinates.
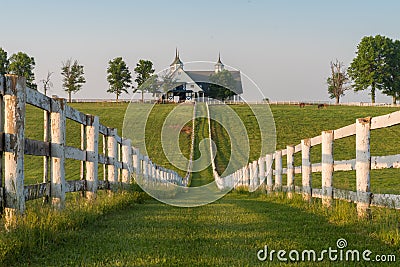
(47, 84)
(337, 82)
(168, 81)
(392, 80)
(22, 65)
(119, 77)
(144, 69)
(151, 85)
(3, 62)
(223, 85)
(73, 78)
(369, 68)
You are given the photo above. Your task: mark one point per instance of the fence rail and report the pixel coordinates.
(297, 103)
(262, 171)
(121, 161)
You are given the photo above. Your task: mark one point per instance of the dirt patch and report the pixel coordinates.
(186, 130)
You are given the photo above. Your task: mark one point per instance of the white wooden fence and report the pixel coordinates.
(250, 176)
(121, 161)
(297, 103)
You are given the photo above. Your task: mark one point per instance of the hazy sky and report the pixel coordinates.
(284, 46)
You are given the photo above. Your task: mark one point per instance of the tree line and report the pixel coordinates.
(375, 67)
(118, 75)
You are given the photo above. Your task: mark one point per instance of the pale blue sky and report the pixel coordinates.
(284, 46)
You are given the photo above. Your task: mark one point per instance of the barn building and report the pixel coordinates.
(196, 83)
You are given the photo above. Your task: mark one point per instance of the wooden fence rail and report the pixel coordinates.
(121, 161)
(363, 163)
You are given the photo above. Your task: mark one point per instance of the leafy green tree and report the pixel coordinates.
(151, 85)
(119, 77)
(73, 78)
(337, 82)
(392, 80)
(144, 69)
(222, 86)
(22, 65)
(369, 68)
(3, 62)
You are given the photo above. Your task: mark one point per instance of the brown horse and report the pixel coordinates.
(321, 106)
(302, 105)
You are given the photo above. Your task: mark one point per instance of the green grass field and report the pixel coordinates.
(228, 232)
(294, 123)
(119, 231)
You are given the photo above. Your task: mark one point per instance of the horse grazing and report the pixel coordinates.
(302, 105)
(321, 106)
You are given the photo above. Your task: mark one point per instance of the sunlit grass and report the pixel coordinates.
(116, 232)
(228, 232)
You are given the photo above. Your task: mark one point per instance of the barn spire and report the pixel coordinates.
(219, 66)
(177, 63)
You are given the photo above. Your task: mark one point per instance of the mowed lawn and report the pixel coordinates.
(230, 231)
(293, 124)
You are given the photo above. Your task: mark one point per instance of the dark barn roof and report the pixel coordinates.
(204, 76)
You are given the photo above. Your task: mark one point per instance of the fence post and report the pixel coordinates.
(247, 174)
(290, 170)
(112, 154)
(240, 177)
(14, 126)
(83, 147)
(256, 181)
(171, 177)
(306, 169)
(278, 170)
(135, 159)
(327, 168)
(138, 165)
(104, 144)
(2, 87)
(363, 166)
(46, 159)
(139, 168)
(261, 173)
(118, 163)
(269, 172)
(251, 176)
(92, 155)
(159, 174)
(243, 176)
(127, 159)
(57, 184)
(145, 171)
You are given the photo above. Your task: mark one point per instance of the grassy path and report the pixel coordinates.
(204, 176)
(228, 232)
